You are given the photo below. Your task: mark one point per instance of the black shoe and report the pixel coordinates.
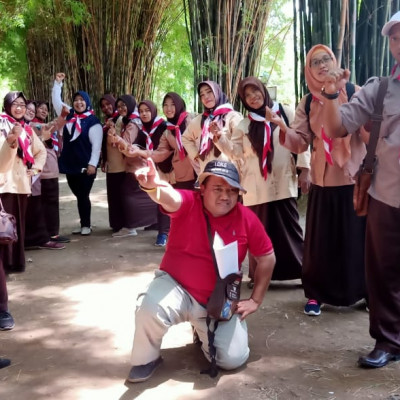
(140, 373)
(377, 359)
(60, 239)
(4, 362)
(6, 321)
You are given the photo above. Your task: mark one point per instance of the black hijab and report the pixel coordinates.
(130, 103)
(9, 98)
(180, 107)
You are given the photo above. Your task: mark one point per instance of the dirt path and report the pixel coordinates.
(74, 312)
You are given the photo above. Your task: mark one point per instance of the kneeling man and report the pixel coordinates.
(187, 276)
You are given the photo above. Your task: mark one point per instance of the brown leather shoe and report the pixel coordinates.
(377, 359)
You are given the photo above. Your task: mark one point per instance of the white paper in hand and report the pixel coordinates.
(226, 256)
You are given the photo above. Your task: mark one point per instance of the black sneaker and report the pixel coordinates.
(6, 321)
(60, 239)
(140, 373)
(4, 362)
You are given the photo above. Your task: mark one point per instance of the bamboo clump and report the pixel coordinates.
(226, 40)
(352, 28)
(112, 50)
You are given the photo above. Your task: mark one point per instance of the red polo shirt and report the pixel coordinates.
(188, 256)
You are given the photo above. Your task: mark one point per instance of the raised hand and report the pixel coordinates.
(46, 132)
(335, 80)
(215, 129)
(110, 123)
(64, 112)
(60, 76)
(148, 175)
(272, 116)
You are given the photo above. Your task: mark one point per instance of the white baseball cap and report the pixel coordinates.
(389, 25)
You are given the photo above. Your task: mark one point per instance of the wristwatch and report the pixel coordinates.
(329, 96)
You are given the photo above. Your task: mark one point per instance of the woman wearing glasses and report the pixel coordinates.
(22, 156)
(333, 261)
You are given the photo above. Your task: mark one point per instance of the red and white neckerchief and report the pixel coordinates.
(267, 136)
(55, 141)
(76, 120)
(134, 114)
(205, 143)
(134, 117)
(327, 141)
(178, 134)
(394, 70)
(149, 144)
(24, 139)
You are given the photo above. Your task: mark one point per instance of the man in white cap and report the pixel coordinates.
(383, 220)
(187, 276)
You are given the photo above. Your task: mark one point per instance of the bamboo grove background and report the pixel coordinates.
(226, 39)
(116, 46)
(352, 28)
(102, 46)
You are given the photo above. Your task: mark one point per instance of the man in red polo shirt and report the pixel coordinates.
(186, 279)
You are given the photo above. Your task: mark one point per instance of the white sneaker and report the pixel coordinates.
(123, 232)
(85, 231)
(77, 231)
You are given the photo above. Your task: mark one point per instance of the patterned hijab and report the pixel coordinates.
(212, 114)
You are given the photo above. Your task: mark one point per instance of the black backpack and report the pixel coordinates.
(350, 89)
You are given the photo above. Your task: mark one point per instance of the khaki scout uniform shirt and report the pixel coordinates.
(385, 185)
(281, 182)
(192, 136)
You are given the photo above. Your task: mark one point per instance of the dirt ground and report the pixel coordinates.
(74, 313)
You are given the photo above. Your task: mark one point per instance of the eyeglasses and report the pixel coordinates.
(20, 105)
(121, 106)
(315, 63)
(28, 110)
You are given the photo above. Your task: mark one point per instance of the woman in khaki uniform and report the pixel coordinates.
(218, 116)
(22, 155)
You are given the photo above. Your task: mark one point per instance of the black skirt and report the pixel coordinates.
(13, 255)
(333, 262)
(36, 232)
(281, 221)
